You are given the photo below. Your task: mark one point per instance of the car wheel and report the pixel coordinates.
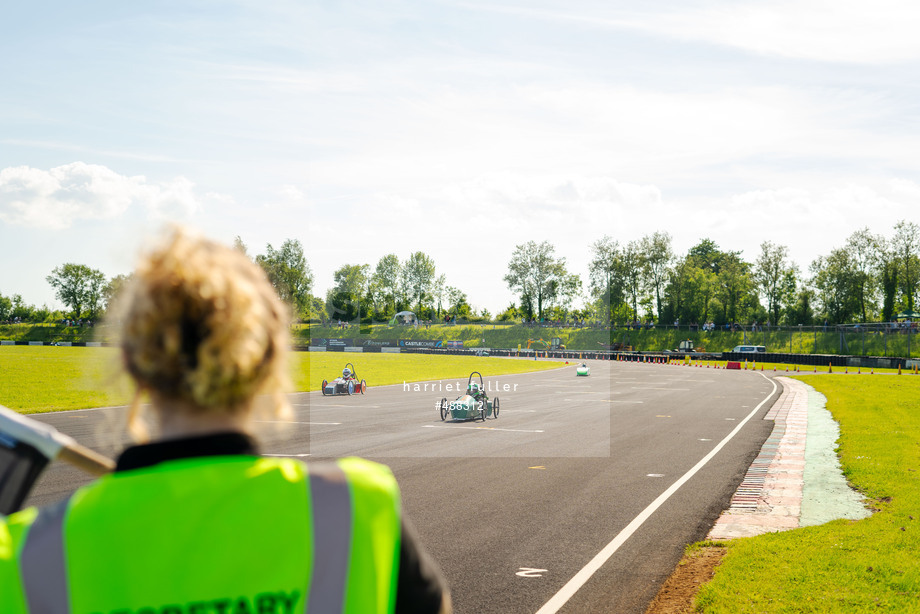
(482, 412)
(350, 387)
(443, 410)
(324, 387)
(495, 407)
(363, 386)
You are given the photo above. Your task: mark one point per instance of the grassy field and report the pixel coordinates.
(45, 378)
(843, 566)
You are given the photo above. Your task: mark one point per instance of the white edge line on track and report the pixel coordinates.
(571, 587)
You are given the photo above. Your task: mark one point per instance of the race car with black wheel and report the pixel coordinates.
(347, 383)
(474, 405)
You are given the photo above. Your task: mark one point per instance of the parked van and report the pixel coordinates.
(749, 348)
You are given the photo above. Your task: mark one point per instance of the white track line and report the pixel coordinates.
(571, 587)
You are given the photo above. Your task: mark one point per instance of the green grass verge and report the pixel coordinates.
(843, 566)
(793, 369)
(45, 378)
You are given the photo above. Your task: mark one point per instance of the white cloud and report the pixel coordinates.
(846, 31)
(78, 191)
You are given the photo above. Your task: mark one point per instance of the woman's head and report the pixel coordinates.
(202, 328)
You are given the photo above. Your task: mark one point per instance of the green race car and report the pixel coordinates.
(474, 405)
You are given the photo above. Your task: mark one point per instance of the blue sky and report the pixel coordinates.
(455, 128)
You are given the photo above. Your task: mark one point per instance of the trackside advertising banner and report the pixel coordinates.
(420, 343)
(331, 343)
(376, 343)
(454, 344)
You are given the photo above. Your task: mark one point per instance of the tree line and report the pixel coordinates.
(869, 278)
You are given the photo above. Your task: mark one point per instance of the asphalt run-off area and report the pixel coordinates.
(579, 497)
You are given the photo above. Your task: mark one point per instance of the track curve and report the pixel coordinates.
(513, 508)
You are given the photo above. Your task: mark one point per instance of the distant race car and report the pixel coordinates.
(474, 405)
(583, 369)
(348, 383)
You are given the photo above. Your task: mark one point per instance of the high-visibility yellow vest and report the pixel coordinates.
(211, 535)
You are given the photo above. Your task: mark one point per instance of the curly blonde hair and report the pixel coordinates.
(202, 325)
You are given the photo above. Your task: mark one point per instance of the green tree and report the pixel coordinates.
(606, 277)
(535, 274)
(456, 302)
(776, 277)
(657, 256)
(79, 287)
(562, 293)
(832, 277)
(113, 288)
(6, 308)
(385, 283)
(289, 273)
(864, 249)
(347, 298)
(633, 277)
(887, 273)
(240, 246)
(906, 247)
(801, 311)
(734, 288)
(21, 310)
(714, 291)
(418, 274)
(439, 292)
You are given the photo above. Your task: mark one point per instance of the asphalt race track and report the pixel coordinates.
(515, 509)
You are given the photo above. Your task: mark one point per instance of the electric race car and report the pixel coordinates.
(348, 383)
(583, 369)
(473, 405)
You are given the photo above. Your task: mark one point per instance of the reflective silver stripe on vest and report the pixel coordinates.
(330, 498)
(44, 575)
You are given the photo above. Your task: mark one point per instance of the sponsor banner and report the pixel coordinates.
(94, 344)
(390, 350)
(454, 344)
(353, 349)
(420, 343)
(317, 348)
(376, 343)
(36, 343)
(331, 342)
(7, 342)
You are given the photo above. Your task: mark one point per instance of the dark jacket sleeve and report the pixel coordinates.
(421, 586)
